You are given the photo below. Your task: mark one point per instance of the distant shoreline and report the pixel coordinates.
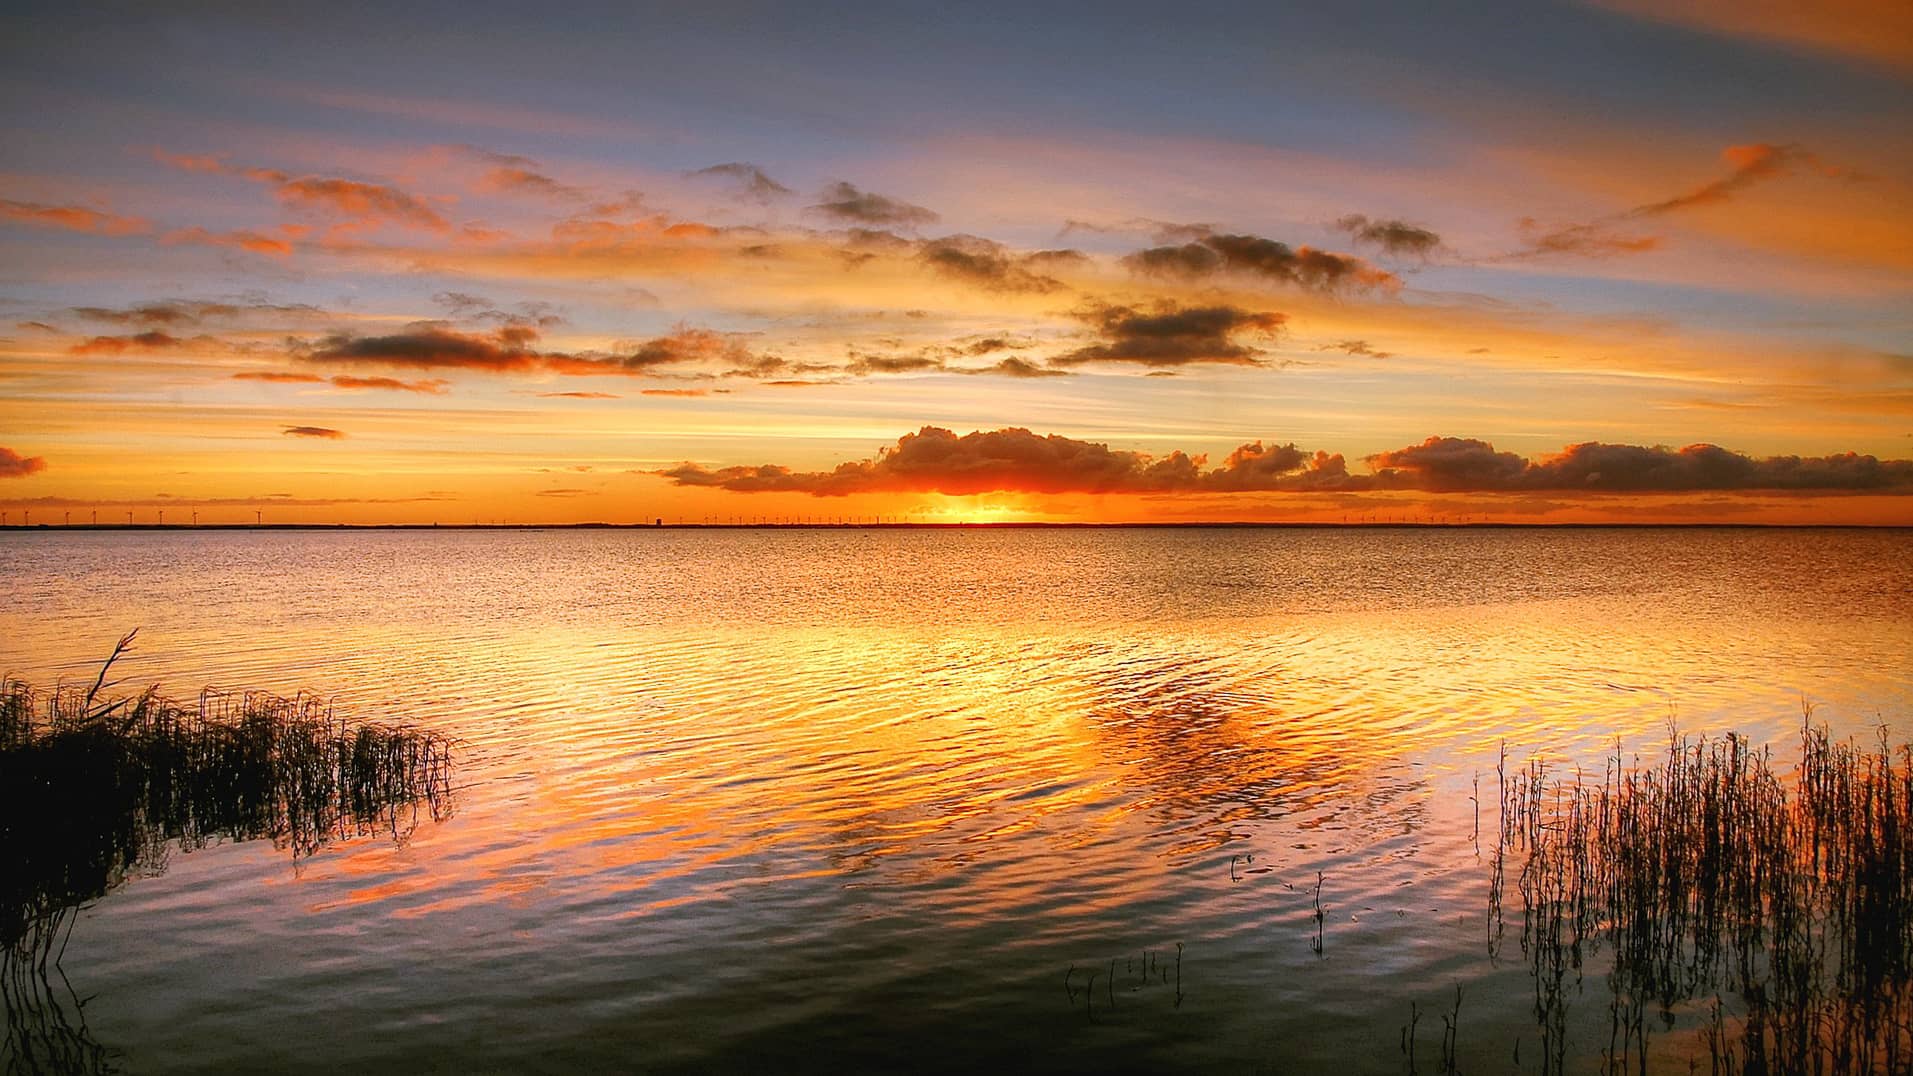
(868, 526)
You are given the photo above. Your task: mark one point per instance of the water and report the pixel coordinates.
(856, 799)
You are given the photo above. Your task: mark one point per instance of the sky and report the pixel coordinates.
(1527, 262)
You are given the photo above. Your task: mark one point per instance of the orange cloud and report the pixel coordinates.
(433, 386)
(279, 378)
(73, 218)
(322, 432)
(14, 465)
(366, 205)
(255, 242)
(1748, 165)
(119, 345)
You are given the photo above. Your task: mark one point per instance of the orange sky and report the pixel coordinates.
(1424, 285)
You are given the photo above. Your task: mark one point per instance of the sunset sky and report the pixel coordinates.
(1543, 262)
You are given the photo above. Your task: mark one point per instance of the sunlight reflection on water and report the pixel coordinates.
(804, 799)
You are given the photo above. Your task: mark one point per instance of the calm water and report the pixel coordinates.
(833, 800)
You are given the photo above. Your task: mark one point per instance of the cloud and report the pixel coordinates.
(568, 492)
(685, 393)
(1748, 165)
(1173, 336)
(1253, 255)
(1013, 459)
(153, 340)
(1392, 236)
(990, 265)
(322, 432)
(14, 465)
(365, 205)
(510, 350)
(846, 203)
(750, 180)
(186, 313)
(579, 396)
(435, 349)
(1596, 240)
(254, 242)
(515, 179)
(937, 460)
(433, 386)
(864, 365)
(73, 218)
(1016, 367)
(1446, 464)
(1357, 347)
(279, 378)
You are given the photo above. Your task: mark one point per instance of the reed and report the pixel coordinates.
(94, 790)
(1767, 908)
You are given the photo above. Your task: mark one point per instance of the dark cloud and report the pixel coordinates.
(14, 465)
(1173, 336)
(749, 180)
(579, 396)
(1442, 464)
(1392, 236)
(864, 365)
(36, 326)
(186, 313)
(435, 349)
(323, 432)
(846, 203)
(1253, 255)
(936, 460)
(469, 307)
(1016, 367)
(563, 492)
(991, 265)
(1356, 347)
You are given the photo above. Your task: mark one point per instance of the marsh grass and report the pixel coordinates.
(1766, 911)
(92, 791)
(97, 788)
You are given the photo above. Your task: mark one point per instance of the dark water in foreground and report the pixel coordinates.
(825, 800)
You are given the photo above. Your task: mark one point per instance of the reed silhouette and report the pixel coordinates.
(95, 790)
(1765, 910)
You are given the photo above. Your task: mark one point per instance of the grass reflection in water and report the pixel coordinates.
(1766, 911)
(96, 789)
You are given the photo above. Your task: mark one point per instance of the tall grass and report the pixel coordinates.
(1768, 909)
(95, 790)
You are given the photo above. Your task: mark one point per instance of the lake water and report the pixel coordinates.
(736, 800)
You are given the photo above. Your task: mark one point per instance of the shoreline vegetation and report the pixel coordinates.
(1763, 912)
(97, 788)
